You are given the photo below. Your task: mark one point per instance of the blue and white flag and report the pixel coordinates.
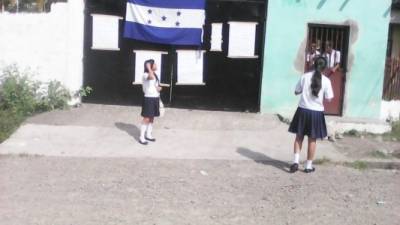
(176, 22)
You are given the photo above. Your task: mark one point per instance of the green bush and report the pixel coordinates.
(394, 134)
(84, 91)
(9, 122)
(21, 96)
(18, 93)
(396, 130)
(56, 97)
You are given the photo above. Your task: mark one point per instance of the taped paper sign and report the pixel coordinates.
(105, 34)
(242, 39)
(190, 67)
(216, 37)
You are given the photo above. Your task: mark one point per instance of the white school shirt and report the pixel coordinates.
(307, 99)
(312, 56)
(333, 58)
(150, 87)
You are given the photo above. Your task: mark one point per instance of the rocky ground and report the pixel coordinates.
(61, 191)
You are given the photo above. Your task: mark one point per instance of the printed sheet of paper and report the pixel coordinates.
(105, 34)
(190, 67)
(216, 37)
(140, 57)
(242, 39)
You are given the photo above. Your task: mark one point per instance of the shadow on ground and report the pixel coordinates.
(132, 130)
(263, 159)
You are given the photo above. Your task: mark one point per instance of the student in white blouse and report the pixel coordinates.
(309, 119)
(311, 56)
(333, 58)
(151, 101)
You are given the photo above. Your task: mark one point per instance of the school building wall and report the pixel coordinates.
(286, 39)
(49, 44)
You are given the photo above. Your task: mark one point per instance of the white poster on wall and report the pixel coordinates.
(216, 37)
(242, 39)
(105, 34)
(190, 67)
(140, 57)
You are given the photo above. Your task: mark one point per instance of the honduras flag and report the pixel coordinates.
(176, 22)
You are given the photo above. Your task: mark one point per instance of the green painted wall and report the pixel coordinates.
(286, 33)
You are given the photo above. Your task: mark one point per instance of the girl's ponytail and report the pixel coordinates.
(316, 83)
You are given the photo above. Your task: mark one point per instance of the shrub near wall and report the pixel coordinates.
(21, 97)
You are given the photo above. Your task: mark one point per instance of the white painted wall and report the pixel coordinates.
(390, 110)
(51, 44)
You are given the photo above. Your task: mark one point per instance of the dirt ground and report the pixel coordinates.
(66, 191)
(368, 148)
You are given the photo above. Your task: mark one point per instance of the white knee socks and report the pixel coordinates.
(309, 164)
(143, 128)
(296, 158)
(149, 131)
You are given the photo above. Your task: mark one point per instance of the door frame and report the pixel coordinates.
(344, 56)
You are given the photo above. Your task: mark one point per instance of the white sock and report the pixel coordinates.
(149, 131)
(142, 132)
(309, 164)
(296, 158)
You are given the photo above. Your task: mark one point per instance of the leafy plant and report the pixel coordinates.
(17, 91)
(56, 97)
(21, 96)
(84, 91)
(394, 134)
(9, 122)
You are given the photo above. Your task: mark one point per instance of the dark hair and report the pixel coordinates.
(319, 66)
(151, 61)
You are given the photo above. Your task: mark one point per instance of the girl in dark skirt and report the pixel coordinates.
(151, 101)
(309, 119)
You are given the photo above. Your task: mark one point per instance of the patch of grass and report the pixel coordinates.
(359, 165)
(283, 119)
(9, 122)
(21, 96)
(394, 135)
(379, 154)
(23, 155)
(322, 161)
(353, 133)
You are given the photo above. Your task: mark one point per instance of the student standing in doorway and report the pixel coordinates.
(332, 57)
(312, 54)
(151, 101)
(309, 119)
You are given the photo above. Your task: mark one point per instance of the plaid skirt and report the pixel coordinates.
(309, 123)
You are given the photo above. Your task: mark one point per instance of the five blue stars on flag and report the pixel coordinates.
(164, 18)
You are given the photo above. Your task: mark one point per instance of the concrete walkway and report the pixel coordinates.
(112, 131)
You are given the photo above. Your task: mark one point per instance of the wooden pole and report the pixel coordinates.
(171, 61)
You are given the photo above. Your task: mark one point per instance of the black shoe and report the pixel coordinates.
(309, 170)
(143, 142)
(294, 167)
(150, 139)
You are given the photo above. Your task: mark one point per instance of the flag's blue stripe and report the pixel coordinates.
(174, 4)
(173, 36)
